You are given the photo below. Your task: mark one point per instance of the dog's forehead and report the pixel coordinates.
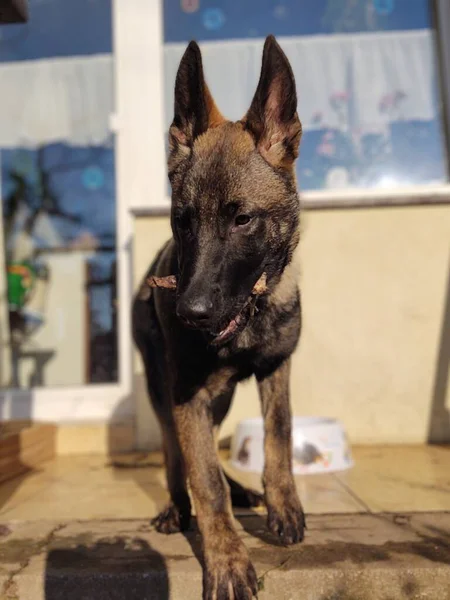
(226, 167)
(230, 139)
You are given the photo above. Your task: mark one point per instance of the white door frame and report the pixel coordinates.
(139, 173)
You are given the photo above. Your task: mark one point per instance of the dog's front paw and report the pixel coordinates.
(230, 577)
(287, 519)
(172, 519)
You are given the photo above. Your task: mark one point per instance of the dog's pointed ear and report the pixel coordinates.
(195, 110)
(272, 118)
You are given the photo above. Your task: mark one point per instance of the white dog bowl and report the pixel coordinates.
(320, 445)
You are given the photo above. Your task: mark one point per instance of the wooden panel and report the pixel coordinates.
(24, 446)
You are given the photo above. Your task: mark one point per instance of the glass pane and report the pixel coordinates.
(58, 210)
(367, 81)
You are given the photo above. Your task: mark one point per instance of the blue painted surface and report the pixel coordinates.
(93, 178)
(59, 28)
(384, 7)
(81, 179)
(250, 18)
(213, 19)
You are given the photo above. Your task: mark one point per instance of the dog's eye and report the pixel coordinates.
(242, 219)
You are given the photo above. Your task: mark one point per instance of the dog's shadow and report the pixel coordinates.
(110, 568)
(255, 525)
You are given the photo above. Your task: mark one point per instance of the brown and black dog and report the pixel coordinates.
(234, 216)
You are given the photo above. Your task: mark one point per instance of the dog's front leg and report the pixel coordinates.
(285, 514)
(228, 573)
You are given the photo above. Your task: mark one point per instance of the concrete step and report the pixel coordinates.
(344, 557)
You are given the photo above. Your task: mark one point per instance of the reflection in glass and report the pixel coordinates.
(58, 216)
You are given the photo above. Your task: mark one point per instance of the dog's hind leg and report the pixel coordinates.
(240, 496)
(176, 515)
(149, 341)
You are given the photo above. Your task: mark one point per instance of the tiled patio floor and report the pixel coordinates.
(384, 479)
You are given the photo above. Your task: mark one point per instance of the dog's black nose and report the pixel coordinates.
(196, 311)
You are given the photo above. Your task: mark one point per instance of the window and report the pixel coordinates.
(367, 75)
(58, 207)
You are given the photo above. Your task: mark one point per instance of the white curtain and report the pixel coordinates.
(71, 99)
(395, 70)
(61, 99)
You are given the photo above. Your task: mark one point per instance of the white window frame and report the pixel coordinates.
(140, 173)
